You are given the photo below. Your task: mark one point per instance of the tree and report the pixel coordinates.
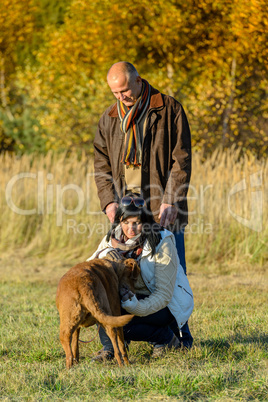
(22, 27)
(211, 55)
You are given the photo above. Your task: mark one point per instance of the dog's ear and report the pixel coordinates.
(136, 271)
(133, 267)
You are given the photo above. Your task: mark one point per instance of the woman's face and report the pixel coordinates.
(131, 226)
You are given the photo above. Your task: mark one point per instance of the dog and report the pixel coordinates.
(89, 293)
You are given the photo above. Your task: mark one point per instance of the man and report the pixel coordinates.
(143, 144)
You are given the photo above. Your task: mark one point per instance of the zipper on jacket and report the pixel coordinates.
(179, 286)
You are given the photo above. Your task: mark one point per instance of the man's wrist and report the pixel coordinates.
(111, 203)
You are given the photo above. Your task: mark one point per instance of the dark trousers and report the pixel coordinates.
(154, 328)
(186, 336)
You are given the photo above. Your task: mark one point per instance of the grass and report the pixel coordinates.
(229, 360)
(227, 269)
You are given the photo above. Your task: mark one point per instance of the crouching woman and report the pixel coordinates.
(163, 294)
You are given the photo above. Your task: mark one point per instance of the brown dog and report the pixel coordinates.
(88, 294)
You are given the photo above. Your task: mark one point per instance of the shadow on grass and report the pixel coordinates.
(256, 337)
(221, 346)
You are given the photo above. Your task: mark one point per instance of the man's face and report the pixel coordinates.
(127, 91)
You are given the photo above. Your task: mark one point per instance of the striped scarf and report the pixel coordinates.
(129, 248)
(130, 118)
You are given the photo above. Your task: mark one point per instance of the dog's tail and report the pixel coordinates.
(115, 321)
(105, 319)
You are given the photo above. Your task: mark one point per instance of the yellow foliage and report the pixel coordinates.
(211, 55)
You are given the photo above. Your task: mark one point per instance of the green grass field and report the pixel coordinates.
(229, 360)
(227, 269)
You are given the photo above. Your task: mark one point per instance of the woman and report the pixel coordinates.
(163, 293)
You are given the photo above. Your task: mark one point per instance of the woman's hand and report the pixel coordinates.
(130, 304)
(114, 255)
(127, 296)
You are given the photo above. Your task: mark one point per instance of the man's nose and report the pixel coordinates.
(121, 97)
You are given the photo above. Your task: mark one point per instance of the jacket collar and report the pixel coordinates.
(147, 249)
(156, 102)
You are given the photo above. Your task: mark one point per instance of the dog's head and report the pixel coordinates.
(132, 267)
(127, 271)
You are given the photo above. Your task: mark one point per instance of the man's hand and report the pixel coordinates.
(111, 211)
(167, 214)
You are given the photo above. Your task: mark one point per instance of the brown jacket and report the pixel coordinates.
(166, 157)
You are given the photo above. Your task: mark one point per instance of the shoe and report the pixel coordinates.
(103, 356)
(184, 334)
(187, 341)
(160, 350)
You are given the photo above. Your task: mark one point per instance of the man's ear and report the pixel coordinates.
(139, 82)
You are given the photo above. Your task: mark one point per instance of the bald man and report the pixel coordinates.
(143, 145)
(125, 85)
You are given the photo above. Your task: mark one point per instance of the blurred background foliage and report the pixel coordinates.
(211, 55)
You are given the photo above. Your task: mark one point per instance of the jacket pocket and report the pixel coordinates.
(179, 286)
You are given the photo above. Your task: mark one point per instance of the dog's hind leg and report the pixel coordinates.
(112, 333)
(121, 345)
(75, 345)
(66, 340)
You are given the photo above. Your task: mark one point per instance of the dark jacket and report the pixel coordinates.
(166, 157)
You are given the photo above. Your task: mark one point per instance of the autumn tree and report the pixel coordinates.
(210, 54)
(23, 24)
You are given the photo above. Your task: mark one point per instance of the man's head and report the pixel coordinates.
(125, 82)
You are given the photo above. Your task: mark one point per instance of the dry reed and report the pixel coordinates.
(49, 204)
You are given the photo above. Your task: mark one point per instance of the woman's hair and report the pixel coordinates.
(150, 229)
